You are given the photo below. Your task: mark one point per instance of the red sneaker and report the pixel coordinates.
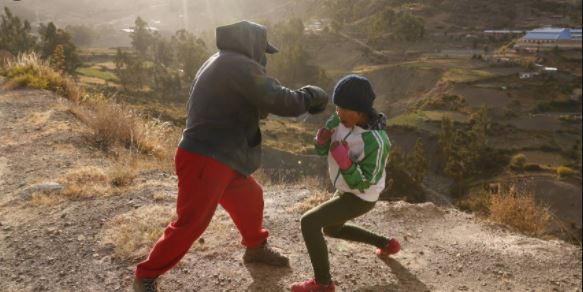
(392, 247)
(312, 286)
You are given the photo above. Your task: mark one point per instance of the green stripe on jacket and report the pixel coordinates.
(361, 175)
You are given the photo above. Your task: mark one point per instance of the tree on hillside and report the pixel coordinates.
(340, 11)
(191, 52)
(418, 163)
(48, 39)
(130, 70)
(400, 180)
(402, 26)
(51, 38)
(81, 35)
(292, 64)
(465, 148)
(15, 34)
(409, 27)
(57, 59)
(141, 37)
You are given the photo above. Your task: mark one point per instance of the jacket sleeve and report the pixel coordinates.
(267, 94)
(332, 122)
(362, 174)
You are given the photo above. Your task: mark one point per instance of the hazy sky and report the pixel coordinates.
(166, 14)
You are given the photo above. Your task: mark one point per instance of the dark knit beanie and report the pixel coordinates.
(355, 93)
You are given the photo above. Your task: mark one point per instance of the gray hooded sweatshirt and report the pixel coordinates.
(230, 92)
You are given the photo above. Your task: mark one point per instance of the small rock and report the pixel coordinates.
(81, 237)
(201, 240)
(63, 215)
(421, 253)
(50, 188)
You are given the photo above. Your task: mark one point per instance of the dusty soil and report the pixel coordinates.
(59, 247)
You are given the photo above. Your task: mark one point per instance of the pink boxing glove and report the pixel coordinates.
(323, 136)
(340, 153)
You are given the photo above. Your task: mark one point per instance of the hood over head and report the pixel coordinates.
(245, 37)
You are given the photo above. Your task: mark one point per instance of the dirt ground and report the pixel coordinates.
(60, 247)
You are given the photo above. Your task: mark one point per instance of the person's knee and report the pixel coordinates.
(332, 231)
(308, 221)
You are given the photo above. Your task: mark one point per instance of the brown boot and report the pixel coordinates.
(145, 285)
(265, 254)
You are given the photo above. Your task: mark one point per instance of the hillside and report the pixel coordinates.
(49, 241)
(539, 118)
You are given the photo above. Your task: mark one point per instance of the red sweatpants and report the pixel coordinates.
(203, 183)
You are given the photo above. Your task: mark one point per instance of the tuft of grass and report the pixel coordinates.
(116, 124)
(133, 234)
(315, 199)
(318, 196)
(30, 71)
(521, 212)
(46, 200)
(518, 161)
(85, 182)
(123, 172)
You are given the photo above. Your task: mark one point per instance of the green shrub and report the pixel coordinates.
(30, 71)
(565, 171)
(518, 161)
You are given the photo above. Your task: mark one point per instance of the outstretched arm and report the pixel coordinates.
(270, 96)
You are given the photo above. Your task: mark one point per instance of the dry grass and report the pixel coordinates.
(85, 182)
(133, 234)
(30, 71)
(112, 123)
(46, 200)
(123, 172)
(521, 212)
(318, 195)
(116, 125)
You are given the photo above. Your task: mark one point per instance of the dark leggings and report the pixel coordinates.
(332, 217)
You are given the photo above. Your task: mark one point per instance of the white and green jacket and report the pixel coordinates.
(369, 152)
